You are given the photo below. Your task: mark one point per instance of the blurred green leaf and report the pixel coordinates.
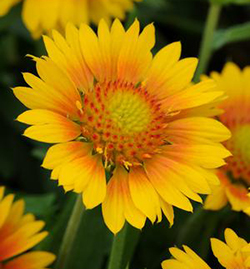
(40, 152)
(227, 2)
(234, 34)
(93, 243)
(41, 205)
(58, 225)
(11, 17)
(130, 245)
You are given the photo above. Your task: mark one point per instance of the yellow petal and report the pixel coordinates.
(79, 70)
(234, 241)
(158, 74)
(31, 260)
(91, 51)
(64, 153)
(197, 129)
(217, 199)
(95, 190)
(141, 189)
(160, 177)
(5, 207)
(48, 126)
(113, 205)
(199, 94)
(224, 254)
(168, 211)
(135, 56)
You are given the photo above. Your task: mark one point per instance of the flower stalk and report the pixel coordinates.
(70, 234)
(207, 39)
(123, 246)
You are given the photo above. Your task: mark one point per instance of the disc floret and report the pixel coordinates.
(124, 122)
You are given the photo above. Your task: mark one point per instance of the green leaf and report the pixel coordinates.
(227, 2)
(234, 34)
(92, 245)
(41, 205)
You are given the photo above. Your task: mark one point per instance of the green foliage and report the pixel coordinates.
(232, 34)
(41, 205)
(227, 2)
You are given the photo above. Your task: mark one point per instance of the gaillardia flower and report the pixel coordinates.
(20, 232)
(41, 16)
(235, 176)
(234, 254)
(111, 108)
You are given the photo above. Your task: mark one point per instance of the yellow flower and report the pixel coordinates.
(19, 233)
(234, 254)
(235, 176)
(110, 107)
(6, 5)
(42, 16)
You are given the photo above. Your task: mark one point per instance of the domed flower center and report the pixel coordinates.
(242, 145)
(239, 163)
(129, 112)
(124, 122)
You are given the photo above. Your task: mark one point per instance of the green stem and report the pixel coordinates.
(70, 234)
(207, 39)
(123, 246)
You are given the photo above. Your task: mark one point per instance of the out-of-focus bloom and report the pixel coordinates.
(112, 108)
(235, 176)
(41, 16)
(6, 5)
(234, 254)
(19, 233)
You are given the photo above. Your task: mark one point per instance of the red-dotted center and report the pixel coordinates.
(124, 122)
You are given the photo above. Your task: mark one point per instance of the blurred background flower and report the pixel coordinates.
(235, 176)
(41, 16)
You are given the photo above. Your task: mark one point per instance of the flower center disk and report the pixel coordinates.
(129, 112)
(124, 122)
(239, 163)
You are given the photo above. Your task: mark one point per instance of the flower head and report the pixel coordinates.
(6, 5)
(19, 233)
(235, 253)
(235, 176)
(41, 16)
(111, 108)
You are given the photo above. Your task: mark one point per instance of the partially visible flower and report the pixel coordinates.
(234, 254)
(112, 108)
(6, 5)
(186, 259)
(235, 176)
(20, 232)
(41, 16)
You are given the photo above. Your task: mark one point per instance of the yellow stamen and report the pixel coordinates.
(99, 150)
(79, 106)
(127, 164)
